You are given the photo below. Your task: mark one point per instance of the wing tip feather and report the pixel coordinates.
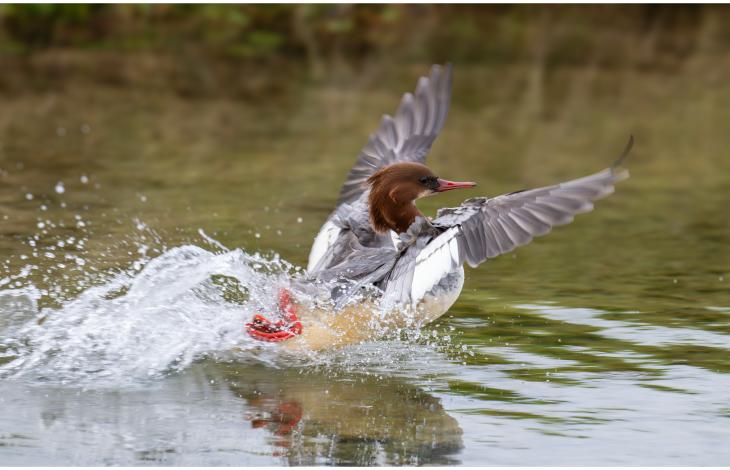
(629, 145)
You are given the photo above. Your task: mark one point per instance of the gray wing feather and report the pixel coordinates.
(490, 227)
(406, 137)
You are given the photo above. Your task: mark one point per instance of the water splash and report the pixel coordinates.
(185, 305)
(69, 314)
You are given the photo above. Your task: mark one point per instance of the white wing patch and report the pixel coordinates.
(439, 258)
(326, 237)
(394, 238)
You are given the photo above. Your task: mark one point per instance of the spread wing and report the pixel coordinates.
(483, 228)
(406, 137)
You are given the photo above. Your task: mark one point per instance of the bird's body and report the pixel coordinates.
(378, 241)
(349, 249)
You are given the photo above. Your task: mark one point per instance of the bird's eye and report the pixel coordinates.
(425, 180)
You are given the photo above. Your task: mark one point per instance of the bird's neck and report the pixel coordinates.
(387, 214)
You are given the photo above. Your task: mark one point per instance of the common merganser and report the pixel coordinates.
(377, 238)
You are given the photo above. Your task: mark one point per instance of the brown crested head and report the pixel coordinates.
(394, 190)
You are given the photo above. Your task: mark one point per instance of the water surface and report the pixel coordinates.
(606, 342)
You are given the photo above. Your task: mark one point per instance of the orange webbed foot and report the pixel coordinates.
(263, 329)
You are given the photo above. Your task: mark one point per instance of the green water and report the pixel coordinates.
(606, 342)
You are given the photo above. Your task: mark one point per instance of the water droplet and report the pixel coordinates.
(299, 220)
(40, 225)
(60, 189)
(257, 235)
(29, 196)
(84, 179)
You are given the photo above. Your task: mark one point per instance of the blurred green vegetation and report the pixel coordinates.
(184, 39)
(251, 30)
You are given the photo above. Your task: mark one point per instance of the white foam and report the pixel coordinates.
(136, 326)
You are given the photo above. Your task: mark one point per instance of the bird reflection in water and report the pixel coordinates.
(317, 417)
